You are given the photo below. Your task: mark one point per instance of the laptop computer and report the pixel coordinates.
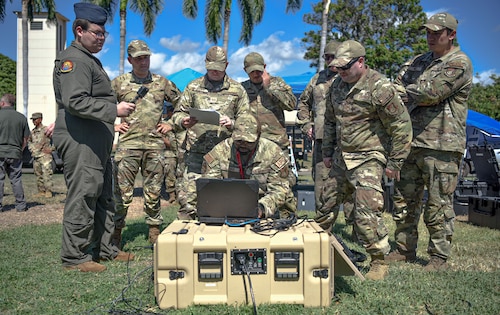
(229, 200)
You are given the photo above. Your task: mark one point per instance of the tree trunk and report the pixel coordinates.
(123, 33)
(227, 16)
(324, 32)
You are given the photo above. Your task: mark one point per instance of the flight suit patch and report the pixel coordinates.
(67, 66)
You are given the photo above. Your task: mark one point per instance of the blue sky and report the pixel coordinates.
(178, 42)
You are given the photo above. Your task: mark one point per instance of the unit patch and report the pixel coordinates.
(67, 66)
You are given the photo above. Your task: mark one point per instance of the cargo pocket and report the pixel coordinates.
(448, 176)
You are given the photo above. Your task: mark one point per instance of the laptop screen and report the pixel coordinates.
(231, 200)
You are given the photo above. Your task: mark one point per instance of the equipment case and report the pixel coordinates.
(195, 263)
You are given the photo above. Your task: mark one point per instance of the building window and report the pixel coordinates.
(36, 26)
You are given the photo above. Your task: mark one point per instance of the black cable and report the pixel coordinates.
(244, 268)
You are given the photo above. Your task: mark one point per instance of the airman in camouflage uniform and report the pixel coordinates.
(41, 150)
(246, 155)
(435, 87)
(214, 91)
(367, 120)
(141, 146)
(311, 116)
(170, 157)
(269, 97)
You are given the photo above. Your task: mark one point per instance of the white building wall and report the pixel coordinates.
(43, 48)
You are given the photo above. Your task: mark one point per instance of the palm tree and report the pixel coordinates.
(148, 9)
(29, 7)
(324, 32)
(218, 13)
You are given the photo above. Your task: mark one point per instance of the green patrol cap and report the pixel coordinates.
(246, 128)
(441, 21)
(216, 59)
(253, 62)
(346, 52)
(138, 48)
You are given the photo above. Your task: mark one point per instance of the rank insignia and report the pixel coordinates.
(67, 66)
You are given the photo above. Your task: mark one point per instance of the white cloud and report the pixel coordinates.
(484, 77)
(176, 44)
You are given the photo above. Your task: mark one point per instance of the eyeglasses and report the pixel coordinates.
(349, 64)
(99, 34)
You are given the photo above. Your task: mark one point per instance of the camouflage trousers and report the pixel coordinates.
(320, 173)
(361, 185)
(127, 164)
(42, 167)
(170, 173)
(438, 171)
(186, 192)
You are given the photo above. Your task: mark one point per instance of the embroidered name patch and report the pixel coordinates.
(67, 66)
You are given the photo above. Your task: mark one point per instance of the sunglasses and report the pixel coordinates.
(349, 64)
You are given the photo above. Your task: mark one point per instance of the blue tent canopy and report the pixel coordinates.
(298, 82)
(183, 77)
(483, 122)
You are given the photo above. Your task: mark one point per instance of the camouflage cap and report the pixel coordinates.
(254, 62)
(216, 59)
(331, 48)
(246, 128)
(346, 52)
(36, 115)
(90, 12)
(138, 48)
(441, 21)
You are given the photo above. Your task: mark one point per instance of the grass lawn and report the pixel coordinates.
(33, 282)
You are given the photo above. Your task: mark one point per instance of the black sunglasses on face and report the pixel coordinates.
(349, 64)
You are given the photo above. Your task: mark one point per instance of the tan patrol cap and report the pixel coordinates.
(441, 21)
(253, 62)
(36, 115)
(216, 59)
(138, 48)
(246, 128)
(331, 48)
(346, 52)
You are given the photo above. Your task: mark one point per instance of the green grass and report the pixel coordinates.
(33, 281)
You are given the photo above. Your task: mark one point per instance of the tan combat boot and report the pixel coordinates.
(378, 268)
(116, 238)
(154, 231)
(41, 194)
(172, 198)
(401, 256)
(88, 266)
(436, 264)
(48, 194)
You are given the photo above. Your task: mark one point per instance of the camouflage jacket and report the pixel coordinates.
(268, 104)
(268, 165)
(142, 122)
(171, 149)
(436, 92)
(367, 120)
(38, 143)
(311, 111)
(230, 99)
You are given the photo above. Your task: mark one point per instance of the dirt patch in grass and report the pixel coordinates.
(49, 210)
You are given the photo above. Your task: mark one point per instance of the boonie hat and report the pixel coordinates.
(90, 12)
(346, 52)
(253, 62)
(331, 48)
(36, 115)
(246, 128)
(441, 21)
(216, 59)
(138, 48)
